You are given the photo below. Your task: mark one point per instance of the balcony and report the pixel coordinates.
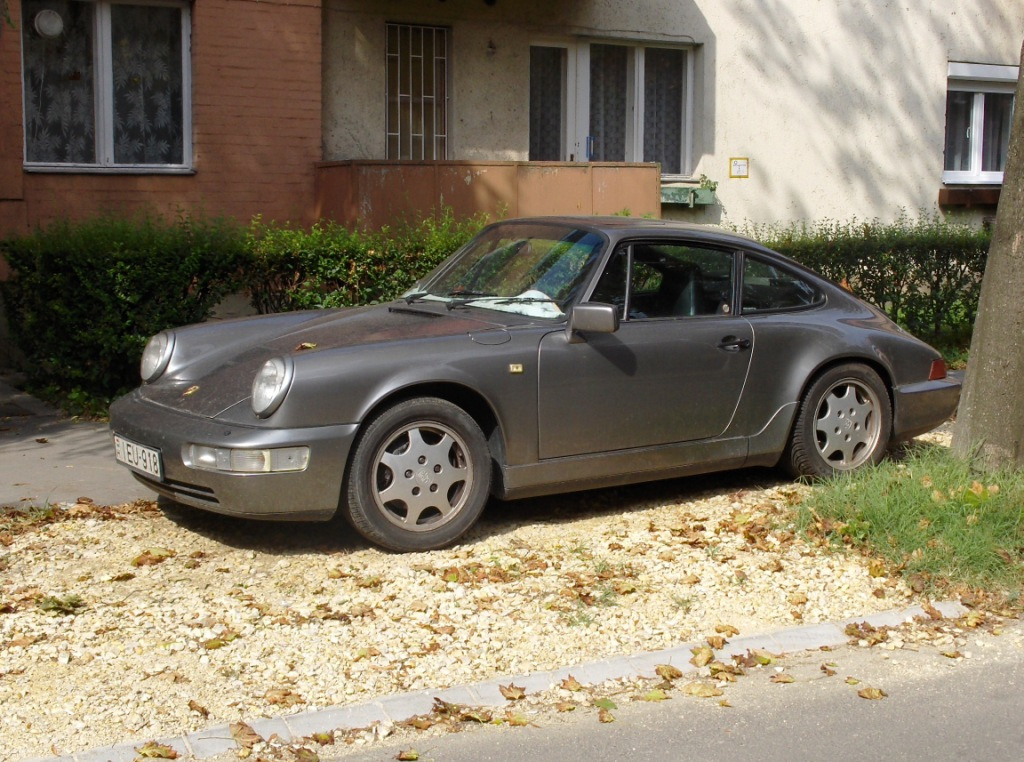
(370, 194)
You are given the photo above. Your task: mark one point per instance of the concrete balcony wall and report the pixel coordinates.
(369, 194)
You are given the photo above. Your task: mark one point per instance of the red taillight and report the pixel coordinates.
(938, 370)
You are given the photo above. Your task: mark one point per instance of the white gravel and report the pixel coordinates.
(244, 620)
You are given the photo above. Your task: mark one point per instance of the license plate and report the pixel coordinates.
(139, 457)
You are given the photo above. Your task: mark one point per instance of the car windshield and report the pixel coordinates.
(535, 270)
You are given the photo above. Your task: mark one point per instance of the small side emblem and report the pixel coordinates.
(515, 368)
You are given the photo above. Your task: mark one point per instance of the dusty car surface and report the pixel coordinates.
(547, 355)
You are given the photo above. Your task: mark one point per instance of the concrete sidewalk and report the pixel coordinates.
(47, 458)
(218, 742)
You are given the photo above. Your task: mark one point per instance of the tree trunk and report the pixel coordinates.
(991, 415)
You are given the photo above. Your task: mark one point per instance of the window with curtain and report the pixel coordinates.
(547, 99)
(105, 84)
(978, 116)
(609, 80)
(664, 78)
(417, 92)
(636, 100)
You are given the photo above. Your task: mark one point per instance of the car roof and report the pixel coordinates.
(617, 228)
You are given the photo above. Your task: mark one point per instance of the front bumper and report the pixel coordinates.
(918, 408)
(309, 495)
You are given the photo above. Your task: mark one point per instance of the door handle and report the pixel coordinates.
(733, 344)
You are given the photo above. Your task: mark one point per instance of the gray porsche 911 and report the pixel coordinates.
(547, 355)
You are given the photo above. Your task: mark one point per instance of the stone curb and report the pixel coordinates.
(393, 709)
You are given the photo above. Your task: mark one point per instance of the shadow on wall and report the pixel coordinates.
(850, 106)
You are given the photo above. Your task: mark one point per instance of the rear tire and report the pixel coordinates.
(844, 422)
(419, 477)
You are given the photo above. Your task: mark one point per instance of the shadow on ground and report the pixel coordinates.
(499, 518)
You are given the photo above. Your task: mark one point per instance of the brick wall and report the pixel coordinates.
(12, 211)
(256, 125)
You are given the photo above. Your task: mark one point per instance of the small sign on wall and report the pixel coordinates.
(739, 166)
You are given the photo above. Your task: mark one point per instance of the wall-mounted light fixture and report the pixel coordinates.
(48, 24)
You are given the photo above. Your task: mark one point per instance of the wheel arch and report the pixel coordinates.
(803, 455)
(835, 362)
(470, 400)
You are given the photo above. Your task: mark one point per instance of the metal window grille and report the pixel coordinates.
(417, 92)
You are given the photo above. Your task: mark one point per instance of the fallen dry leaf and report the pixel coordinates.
(668, 672)
(152, 557)
(244, 735)
(701, 689)
(154, 750)
(512, 692)
(873, 694)
(702, 656)
(572, 684)
(283, 697)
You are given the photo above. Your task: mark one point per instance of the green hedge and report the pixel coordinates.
(85, 297)
(331, 266)
(925, 273)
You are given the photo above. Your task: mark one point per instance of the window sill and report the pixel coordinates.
(83, 169)
(977, 196)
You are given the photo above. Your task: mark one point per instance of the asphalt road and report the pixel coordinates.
(937, 708)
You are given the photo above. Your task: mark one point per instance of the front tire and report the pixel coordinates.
(844, 422)
(420, 476)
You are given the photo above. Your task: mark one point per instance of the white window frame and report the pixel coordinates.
(103, 95)
(576, 137)
(978, 79)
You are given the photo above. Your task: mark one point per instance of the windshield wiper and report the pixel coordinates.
(529, 300)
(415, 297)
(466, 297)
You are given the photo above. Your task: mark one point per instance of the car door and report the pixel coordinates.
(673, 372)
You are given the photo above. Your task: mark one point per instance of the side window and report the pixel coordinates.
(769, 288)
(692, 280)
(668, 280)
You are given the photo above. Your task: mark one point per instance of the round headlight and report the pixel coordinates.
(271, 385)
(156, 356)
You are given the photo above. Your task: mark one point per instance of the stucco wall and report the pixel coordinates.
(256, 125)
(840, 107)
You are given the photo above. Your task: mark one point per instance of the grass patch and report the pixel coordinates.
(935, 519)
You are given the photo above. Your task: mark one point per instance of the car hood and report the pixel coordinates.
(214, 364)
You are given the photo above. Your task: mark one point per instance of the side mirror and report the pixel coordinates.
(591, 317)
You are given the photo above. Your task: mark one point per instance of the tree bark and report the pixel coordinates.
(990, 421)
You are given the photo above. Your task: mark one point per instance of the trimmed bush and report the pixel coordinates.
(85, 297)
(331, 266)
(926, 273)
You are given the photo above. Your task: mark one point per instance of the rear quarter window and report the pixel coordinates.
(770, 288)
